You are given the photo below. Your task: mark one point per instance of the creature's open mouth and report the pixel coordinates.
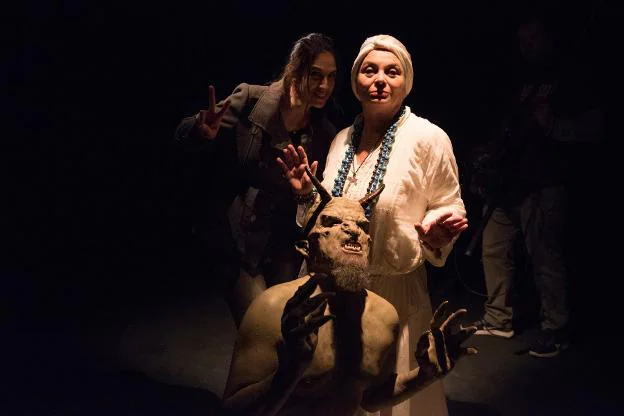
(352, 247)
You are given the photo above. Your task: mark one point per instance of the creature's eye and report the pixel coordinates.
(364, 225)
(329, 221)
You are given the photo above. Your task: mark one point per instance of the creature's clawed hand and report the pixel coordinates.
(302, 317)
(439, 349)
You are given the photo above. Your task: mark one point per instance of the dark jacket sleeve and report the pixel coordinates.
(187, 133)
(214, 163)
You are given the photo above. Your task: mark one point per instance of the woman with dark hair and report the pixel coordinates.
(241, 136)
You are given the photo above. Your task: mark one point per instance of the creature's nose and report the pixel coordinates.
(351, 229)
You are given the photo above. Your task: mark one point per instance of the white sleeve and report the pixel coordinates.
(444, 195)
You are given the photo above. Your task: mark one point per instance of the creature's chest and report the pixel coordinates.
(347, 361)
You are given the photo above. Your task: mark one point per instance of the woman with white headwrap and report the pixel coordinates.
(419, 214)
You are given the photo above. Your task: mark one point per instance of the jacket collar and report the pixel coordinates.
(266, 115)
(267, 106)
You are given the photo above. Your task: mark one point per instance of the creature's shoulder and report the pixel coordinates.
(381, 310)
(265, 312)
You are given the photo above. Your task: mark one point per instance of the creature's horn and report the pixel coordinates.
(325, 196)
(368, 198)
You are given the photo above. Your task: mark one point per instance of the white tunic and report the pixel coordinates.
(421, 183)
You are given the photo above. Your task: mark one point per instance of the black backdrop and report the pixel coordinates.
(97, 193)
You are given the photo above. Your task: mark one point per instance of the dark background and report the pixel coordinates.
(98, 195)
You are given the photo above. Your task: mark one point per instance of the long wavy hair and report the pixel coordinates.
(296, 72)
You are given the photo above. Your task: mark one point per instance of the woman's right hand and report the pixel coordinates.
(209, 121)
(293, 163)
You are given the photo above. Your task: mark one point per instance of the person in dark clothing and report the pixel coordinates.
(250, 204)
(552, 117)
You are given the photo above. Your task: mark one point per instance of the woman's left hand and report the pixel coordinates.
(441, 231)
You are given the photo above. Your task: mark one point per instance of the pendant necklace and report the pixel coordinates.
(380, 166)
(353, 178)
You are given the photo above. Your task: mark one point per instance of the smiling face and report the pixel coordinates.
(381, 81)
(321, 81)
(340, 244)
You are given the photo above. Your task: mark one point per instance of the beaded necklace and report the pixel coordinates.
(380, 166)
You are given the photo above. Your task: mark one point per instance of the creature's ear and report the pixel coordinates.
(303, 247)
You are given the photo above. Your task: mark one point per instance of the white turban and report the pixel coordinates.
(384, 43)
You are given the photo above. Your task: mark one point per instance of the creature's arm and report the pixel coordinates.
(437, 352)
(267, 395)
(267, 367)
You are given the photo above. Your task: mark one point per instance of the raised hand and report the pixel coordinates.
(301, 320)
(293, 163)
(438, 349)
(209, 121)
(442, 231)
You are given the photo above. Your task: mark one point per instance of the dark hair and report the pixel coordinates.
(301, 57)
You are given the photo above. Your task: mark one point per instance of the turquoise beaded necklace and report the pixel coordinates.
(382, 160)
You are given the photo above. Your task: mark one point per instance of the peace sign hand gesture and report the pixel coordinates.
(209, 121)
